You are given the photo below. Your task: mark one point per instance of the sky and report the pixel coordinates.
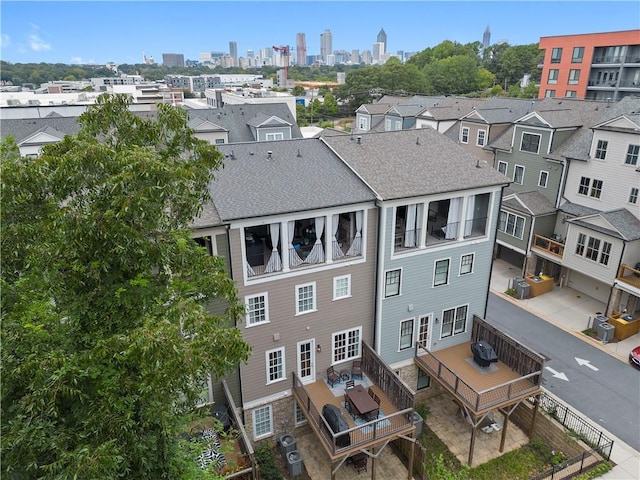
(97, 32)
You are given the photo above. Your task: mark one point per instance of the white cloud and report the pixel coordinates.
(5, 41)
(76, 60)
(38, 44)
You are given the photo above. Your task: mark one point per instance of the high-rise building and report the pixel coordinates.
(301, 49)
(486, 37)
(378, 51)
(382, 38)
(355, 56)
(592, 66)
(326, 44)
(173, 59)
(233, 52)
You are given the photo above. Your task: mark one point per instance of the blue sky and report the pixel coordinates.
(110, 31)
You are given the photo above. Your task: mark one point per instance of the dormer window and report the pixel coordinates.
(530, 143)
(601, 149)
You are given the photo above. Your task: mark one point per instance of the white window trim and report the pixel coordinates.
(506, 166)
(346, 333)
(636, 191)
(253, 422)
(539, 142)
(473, 263)
(413, 334)
(435, 264)
(478, 144)
(315, 294)
(515, 223)
(273, 136)
(335, 286)
(284, 365)
(629, 145)
(384, 290)
(546, 179)
(266, 309)
(515, 170)
(296, 408)
(462, 135)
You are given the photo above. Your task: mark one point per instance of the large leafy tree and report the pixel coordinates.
(100, 283)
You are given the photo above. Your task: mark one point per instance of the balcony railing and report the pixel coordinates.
(518, 358)
(251, 472)
(553, 247)
(476, 227)
(407, 240)
(629, 275)
(379, 372)
(610, 59)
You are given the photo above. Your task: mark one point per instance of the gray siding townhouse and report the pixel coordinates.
(444, 113)
(438, 213)
(301, 232)
(595, 243)
(527, 153)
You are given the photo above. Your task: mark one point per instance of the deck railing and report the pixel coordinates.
(250, 472)
(551, 246)
(629, 274)
(353, 438)
(517, 357)
(379, 372)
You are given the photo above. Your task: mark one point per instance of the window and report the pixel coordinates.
(274, 136)
(543, 179)
(582, 238)
(466, 264)
(424, 380)
(346, 345)
(406, 334)
(553, 76)
(556, 55)
(593, 245)
(578, 54)
(363, 123)
(423, 330)
(275, 365)
(511, 224)
(262, 424)
(530, 142)
(549, 93)
(306, 298)
(298, 414)
(454, 321)
(571, 94)
(583, 188)
(257, 308)
(341, 287)
(574, 77)
(502, 167)
(606, 252)
(392, 283)
(601, 149)
(518, 174)
(632, 155)
(482, 136)
(596, 188)
(633, 195)
(219, 141)
(464, 137)
(441, 274)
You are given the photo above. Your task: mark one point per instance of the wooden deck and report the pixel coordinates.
(630, 275)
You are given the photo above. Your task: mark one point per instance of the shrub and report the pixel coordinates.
(595, 472)
(268, 466)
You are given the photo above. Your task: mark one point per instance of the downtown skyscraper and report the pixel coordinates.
(382, 38)
(301, 49)
(326, 44)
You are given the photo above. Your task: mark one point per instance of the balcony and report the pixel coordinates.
(629, 275)
(552, 248)
(396, 407)
(516, 376)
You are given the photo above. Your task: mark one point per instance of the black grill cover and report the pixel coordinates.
(338, 423)
(483, 353)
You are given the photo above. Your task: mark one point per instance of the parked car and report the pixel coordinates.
(634, 357)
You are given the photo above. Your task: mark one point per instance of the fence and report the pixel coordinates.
(600, 444)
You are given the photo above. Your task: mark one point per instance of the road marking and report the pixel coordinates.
(556, 374)
(586, 363)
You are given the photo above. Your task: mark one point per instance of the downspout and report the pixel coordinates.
(606, 309)
(495, 237)
(563, 181)
(234, 320)
(382, 216)
(527, 257)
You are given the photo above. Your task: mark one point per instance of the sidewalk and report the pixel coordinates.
(572, 311)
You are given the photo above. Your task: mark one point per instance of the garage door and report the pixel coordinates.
(588, 286)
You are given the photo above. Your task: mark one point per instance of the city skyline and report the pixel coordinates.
(99, 32)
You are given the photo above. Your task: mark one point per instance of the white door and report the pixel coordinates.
(424, 330)
(307, 361)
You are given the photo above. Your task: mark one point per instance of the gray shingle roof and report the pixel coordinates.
(577, 209)
(20, 129)
(409, 163)
(450, 108)
(252, 185)
(505, 110)
(626, 226)
(531, 203)
(209, 217)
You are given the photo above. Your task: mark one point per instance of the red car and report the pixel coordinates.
(634, 357)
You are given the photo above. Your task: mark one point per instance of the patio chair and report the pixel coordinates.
(360, 462)
(356, 369)
(332, 376)
(371, 393)
(372, 415)
(376, 399)
(347, 407)
(350, 384)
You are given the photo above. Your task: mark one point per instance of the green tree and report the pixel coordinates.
(330, 107)
(452, 75)
(298, 91)
(396, 77)
(107, 339)
(358, 85)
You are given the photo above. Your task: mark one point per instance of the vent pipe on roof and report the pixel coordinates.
(233, 156)
(269, 157)
(417, 140)
(477, 163)
(299, 154)
(359, 140)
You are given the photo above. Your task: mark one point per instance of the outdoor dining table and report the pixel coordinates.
(360, 401)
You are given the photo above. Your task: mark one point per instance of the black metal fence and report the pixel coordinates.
(600, 444)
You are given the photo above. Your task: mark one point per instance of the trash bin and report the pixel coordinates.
(418, 422)
(294, 461)
(287, 445)
(605, 331)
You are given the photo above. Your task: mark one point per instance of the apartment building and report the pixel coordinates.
(595, 66)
